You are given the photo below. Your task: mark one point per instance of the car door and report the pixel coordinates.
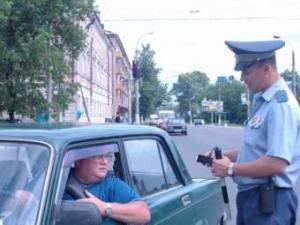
(155, 177)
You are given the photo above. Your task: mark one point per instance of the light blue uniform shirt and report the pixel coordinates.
(272, 130)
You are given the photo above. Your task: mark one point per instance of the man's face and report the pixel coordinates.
(254, 77)
(94, 168)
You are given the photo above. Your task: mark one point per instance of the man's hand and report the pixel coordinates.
(135, 212)
(93, 199)
(220, 166)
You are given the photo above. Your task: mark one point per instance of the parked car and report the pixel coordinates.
(39, 159)
(153, 120)
(177, 126)
(199, 122)
(11, 121)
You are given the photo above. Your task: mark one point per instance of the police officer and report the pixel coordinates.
(268, 163)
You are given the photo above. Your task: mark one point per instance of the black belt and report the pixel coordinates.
(283, 188)
(275, 187)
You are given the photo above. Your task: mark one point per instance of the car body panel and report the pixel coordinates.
(199, 209)
(188, 202)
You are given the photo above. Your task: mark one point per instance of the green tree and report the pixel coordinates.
(153, 92)
(232, 104)
(37, 40)
(189, 89)
(230, 93)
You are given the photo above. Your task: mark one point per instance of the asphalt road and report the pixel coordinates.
(202, 138)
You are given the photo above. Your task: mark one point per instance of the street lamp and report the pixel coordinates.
(293, 64)
(137, 86)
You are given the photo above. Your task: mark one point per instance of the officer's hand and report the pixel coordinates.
(219, 166)
(210, 153)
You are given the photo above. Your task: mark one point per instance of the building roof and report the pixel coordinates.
(116, 37)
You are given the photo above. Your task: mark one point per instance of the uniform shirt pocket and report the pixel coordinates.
(252, 132)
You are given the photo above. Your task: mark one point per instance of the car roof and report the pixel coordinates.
(59, 135)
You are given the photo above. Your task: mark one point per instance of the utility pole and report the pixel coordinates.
(221, 80)
(219, 106)
(129, 98)
(191, 115)
(49, 72)
(191, 109)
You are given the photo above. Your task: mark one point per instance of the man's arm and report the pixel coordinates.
(135, 212)
(262, 167)
(231, 154)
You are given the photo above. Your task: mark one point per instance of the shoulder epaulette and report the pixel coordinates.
(281, 96)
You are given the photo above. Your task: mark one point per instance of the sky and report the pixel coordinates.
(189, 35)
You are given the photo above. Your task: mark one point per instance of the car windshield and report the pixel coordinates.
(176, 121)
(22, 170)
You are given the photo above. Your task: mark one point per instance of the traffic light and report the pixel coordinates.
(231, 78)
(135, 70)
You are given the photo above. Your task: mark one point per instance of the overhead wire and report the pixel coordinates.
(197, 19)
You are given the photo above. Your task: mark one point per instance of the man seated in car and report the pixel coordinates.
(114, 198)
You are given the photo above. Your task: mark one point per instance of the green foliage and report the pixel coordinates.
(37, 40)
(190, 88)
(231, 97)
(153, 92)
(4, 10)
(230, 93)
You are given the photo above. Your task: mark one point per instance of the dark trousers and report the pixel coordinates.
(248, 209)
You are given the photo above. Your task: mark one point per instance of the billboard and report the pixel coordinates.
(211, 106)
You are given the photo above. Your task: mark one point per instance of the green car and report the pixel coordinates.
(38, 159)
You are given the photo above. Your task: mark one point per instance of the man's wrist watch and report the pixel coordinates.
(230, 169)
(108, 209)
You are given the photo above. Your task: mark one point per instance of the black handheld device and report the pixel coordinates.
(266, 197)
(218, 154)
(205, 160)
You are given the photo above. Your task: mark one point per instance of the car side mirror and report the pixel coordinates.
(77, 213)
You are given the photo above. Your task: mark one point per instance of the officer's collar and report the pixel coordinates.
(270, 92)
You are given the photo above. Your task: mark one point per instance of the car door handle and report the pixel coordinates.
(186, 200)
